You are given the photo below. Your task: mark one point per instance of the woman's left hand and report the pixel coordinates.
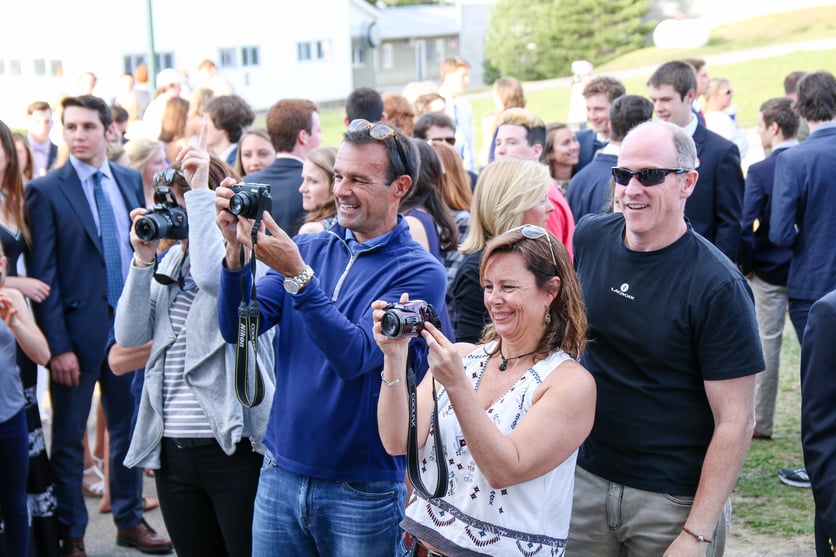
(195, 163)
(444, 359)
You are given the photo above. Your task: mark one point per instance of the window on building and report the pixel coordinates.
(358, 56)
(163, 59)
(2, 67)
(15, 67)
(303, 52)
(226, 58)
(387, 56)
(39, 66)
(323, 50)
(55, 69)
(249, 56)
(439, 48)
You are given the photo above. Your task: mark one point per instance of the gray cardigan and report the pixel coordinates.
(210, 361)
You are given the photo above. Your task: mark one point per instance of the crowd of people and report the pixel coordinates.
(571, 336)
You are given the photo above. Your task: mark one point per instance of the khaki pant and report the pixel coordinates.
(612, 520)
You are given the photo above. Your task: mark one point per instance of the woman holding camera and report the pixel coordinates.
(190, 426)
(513, 411)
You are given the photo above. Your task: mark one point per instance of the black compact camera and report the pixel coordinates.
(407, 320)
(167, 220)
(250, 200)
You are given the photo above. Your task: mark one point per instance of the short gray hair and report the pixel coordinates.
(686, 150)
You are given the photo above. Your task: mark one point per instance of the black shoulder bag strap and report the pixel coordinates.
(248, 321)
(413, 462)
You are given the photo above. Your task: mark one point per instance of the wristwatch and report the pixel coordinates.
(294, 284)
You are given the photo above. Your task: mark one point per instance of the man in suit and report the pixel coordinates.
(805, 200)
(716, 206)
(818, 417)
(293, 126)
(44, 151)
(591, 189)
(80, 248)
(763, 263)
(598, 95)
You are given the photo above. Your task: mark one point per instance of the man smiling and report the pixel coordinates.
(674, 350)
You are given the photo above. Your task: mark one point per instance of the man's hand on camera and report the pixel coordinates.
(228, 223)
(277, 251)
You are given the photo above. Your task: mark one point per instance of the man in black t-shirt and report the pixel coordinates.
(674, 350)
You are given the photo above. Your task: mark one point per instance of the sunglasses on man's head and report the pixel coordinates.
(533, 232)
(381, 132)
(166, 177)
(645, 176)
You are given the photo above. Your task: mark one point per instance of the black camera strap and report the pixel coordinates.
(249, 318)
(413, 459)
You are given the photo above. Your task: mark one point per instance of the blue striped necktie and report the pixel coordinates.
(110, 242)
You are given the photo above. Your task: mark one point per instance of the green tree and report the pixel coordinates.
(539, 39)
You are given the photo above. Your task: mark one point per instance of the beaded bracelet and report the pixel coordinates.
(701, 539)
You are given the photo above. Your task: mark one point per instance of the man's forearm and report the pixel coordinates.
(720, 470)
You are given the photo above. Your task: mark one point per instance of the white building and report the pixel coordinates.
(266, 50)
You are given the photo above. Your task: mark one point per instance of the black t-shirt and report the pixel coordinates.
(471, 316)
(661, 323)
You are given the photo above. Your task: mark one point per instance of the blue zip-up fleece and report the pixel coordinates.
(323, 422)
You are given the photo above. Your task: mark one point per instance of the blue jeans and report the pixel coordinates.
(301, 516)
(14, 470)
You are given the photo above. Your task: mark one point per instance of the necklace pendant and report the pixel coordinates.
(504, 365)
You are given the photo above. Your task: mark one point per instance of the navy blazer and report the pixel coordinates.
(803, 208)
(716, 205)
(589, 145)
(67, 255)
(757, 252)
(284, 177)
(818, 415)
(589, 190)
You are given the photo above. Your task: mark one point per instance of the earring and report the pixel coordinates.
(548, 319)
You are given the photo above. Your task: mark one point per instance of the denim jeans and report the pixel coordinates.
(14, 470)
(298, 515)
(613, 520)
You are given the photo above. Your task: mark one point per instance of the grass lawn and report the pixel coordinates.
(760, 499)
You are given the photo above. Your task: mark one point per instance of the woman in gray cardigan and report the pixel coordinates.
(204, 445)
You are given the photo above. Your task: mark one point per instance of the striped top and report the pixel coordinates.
(182, 414)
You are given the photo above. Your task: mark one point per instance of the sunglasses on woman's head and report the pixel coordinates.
(166, 177)
(381, 132)
(645, 176)
(533, 232)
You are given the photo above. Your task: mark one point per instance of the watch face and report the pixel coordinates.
(291, 286)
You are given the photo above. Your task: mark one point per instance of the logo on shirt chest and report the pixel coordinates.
(622, 291)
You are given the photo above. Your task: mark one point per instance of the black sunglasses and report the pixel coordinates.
(166, 177)
(533, 232)
(380, 132)
(645, 176)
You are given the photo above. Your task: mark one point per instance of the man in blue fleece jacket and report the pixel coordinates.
(327, 486)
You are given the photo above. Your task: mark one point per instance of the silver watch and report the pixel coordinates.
(294, 284)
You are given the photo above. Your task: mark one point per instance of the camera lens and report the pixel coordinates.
(391, 324)
(146, 229)
(239, 204)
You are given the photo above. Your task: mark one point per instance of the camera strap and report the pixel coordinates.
(248, 322)
(413, 459)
